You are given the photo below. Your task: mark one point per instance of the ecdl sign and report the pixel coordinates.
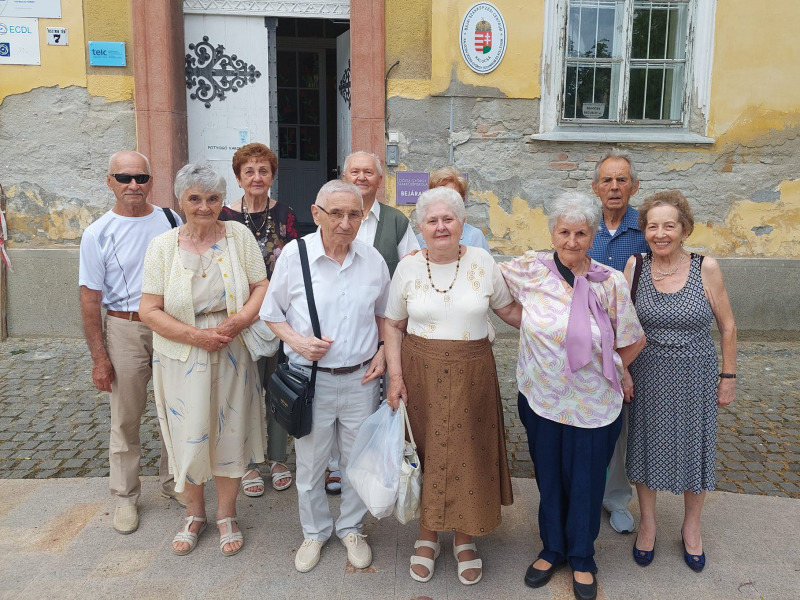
(19, 41)
(107, 54)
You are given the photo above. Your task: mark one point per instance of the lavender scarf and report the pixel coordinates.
(579, 331)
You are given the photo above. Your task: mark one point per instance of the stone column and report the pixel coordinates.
(160, 92)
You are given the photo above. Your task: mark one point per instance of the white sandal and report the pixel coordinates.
(276, 477)
(230, 537)
(253, 482)
(463, 565)
(188, 537)
(424, 560)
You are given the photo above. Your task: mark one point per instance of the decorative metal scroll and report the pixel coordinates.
(215, 73)
(344, 85)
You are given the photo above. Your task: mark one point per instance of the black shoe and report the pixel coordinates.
(537, 577)
(585, 591)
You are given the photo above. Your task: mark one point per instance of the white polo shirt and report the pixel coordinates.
(348, 298)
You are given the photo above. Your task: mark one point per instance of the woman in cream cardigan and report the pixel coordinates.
(207, 389)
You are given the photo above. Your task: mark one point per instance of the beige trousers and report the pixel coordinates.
(129, 345)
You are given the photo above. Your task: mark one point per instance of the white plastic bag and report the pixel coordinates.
(375, 460)
(410, 487)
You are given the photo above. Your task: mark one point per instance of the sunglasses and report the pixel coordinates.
(124, 178)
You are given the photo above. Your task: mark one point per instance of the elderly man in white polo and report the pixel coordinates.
(351, 283)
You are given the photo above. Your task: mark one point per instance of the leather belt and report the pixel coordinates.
(343, 370)
(128, 316)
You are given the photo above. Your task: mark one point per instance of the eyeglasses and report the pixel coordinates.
(338, 215)
(125, 178)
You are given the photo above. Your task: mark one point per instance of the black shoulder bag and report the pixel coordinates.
(292, 393)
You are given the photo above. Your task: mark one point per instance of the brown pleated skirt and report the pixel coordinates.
(457, 418)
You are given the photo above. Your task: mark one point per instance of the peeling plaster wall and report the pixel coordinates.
(54, 150)
(744, 188)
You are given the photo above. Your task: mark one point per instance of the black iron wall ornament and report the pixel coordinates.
(344, 85)
(215, 73)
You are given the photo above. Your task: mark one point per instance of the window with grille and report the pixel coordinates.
(627, 70)
(625, 61)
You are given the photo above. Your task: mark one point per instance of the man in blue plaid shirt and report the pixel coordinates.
(615, 181)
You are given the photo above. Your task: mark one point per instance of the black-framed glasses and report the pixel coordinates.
(338, 215)
(125, 178)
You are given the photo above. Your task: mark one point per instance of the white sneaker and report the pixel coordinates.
(307, 555)
(126, 519)
(358, 551)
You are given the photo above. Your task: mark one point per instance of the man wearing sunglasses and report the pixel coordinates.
(110, 276)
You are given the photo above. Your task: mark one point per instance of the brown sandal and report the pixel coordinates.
(333, 482)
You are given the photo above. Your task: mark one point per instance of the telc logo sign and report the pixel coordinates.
(21, 29)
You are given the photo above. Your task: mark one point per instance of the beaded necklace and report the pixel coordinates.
(658, 275)
(452, 283)
(266, 224)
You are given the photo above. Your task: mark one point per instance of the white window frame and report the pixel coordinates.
(699, 60)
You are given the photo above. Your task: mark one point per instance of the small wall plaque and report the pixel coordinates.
(107, 54)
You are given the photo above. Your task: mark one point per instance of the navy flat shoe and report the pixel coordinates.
(643, 557)
(696, 562)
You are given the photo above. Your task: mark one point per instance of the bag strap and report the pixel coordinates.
(170, 217)
(312, 306)
(408, 426)
(637, 272)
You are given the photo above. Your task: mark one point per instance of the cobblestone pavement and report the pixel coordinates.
(54, 423)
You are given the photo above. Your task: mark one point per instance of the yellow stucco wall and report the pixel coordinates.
(754, 114)
(425, 29)
(64, 66)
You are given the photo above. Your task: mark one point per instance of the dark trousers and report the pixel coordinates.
(570, 465)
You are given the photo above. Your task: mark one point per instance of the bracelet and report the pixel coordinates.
(727, 375)
(381, 344)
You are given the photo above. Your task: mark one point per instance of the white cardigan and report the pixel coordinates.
(165, 275)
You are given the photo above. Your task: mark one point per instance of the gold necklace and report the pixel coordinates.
(658, 275)
(211, 260)
(452, 283)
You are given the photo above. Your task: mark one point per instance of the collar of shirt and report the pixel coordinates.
(316, 250)
(630, 220)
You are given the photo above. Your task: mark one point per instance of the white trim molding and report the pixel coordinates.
(309, 9)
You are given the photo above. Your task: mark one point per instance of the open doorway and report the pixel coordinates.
(311, 76)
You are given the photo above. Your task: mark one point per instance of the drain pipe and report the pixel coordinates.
(386, 100)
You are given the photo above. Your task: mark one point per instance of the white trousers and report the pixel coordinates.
(341, 405)
(619, 491)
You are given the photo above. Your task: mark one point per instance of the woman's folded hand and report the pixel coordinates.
(210, 339)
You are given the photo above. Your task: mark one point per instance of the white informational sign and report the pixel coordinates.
(57, 36)
(483, 37)
(19, 41)
(43, 9)
(221, 144)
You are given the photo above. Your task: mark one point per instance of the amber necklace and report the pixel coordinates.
(452, 283)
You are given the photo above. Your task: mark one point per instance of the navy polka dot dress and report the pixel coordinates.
(673, 416)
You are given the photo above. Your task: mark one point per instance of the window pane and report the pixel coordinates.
(287, 106)
(659, 31)
(309, 143)
(287, 142)
(308, 73)
(287, 69)
(590, 31)
(656, 92)
(309, 107)
(588, 91)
